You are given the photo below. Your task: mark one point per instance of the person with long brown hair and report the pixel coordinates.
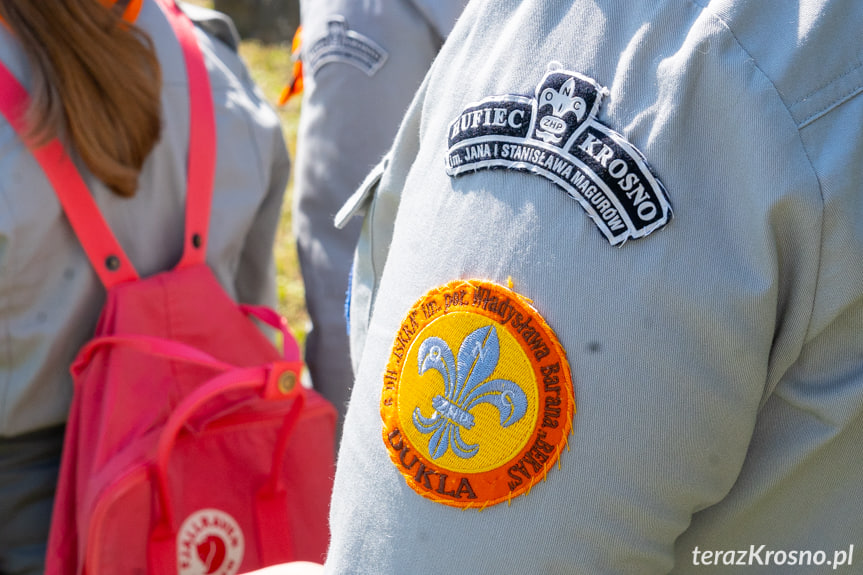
(77, 51)
(108, 80)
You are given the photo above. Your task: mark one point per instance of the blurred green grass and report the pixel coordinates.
(270, 66)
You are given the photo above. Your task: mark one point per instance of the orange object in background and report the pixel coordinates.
(296, 85)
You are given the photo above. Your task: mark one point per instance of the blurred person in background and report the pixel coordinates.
(362, 63)
(109, 81)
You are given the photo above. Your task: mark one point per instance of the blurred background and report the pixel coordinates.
(267, 28)
(270, 21)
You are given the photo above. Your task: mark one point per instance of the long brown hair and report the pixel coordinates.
(96, 84)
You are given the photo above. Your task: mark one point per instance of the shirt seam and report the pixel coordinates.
(819, 269)
(823, 111)
(827, 84)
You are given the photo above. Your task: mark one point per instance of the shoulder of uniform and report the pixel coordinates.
(217, 24)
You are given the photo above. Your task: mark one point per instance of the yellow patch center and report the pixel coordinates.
(497, 444)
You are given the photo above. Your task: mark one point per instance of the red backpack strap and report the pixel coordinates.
(202, 139)
(102, 248)
(111, 263)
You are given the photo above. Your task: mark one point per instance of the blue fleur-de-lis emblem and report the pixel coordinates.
(467, 385)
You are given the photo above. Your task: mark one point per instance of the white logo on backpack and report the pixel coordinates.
(210, 542)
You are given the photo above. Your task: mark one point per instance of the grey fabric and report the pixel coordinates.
(214, 23)
(29, 465)
(351, 111)
(49, 296)
(716, 362)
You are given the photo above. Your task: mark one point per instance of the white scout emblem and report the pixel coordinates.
(346, 46)
(556, 134)
(210, 542)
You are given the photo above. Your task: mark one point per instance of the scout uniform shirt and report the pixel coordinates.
(50, 297)
(362, 63)
(608, 299)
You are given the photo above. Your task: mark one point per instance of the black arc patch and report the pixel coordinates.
(556, 134)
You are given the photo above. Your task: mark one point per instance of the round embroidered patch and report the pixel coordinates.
(478, 401)
(210, 542)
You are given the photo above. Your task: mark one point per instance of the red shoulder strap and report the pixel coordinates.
(202, 139)
(101, 246)
(108, 258)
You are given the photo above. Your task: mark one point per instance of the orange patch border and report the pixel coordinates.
(552, 377)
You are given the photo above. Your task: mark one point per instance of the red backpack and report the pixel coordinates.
(191, 447)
